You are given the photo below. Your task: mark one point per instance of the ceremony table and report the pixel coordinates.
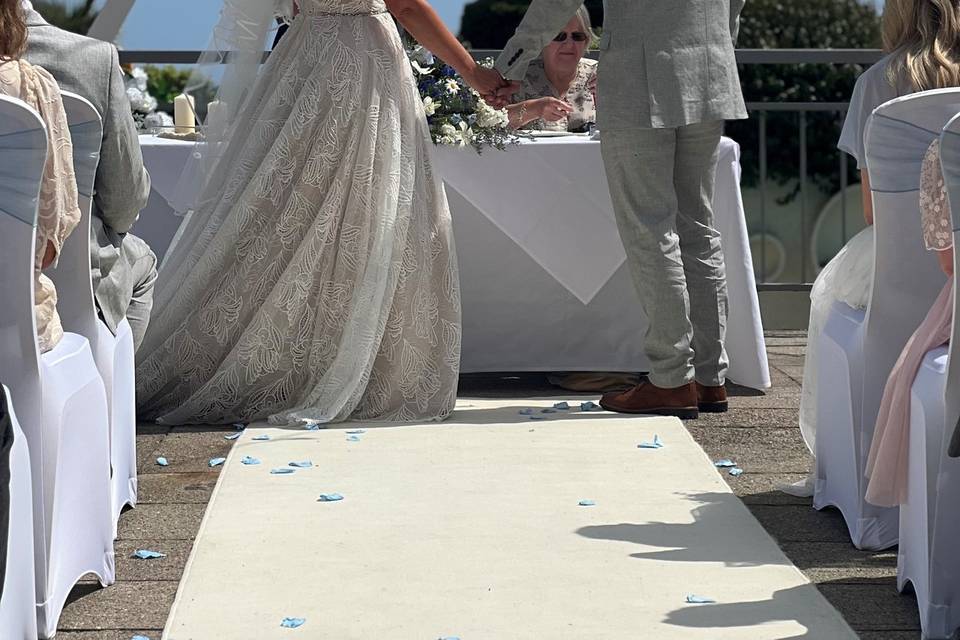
(544, 281)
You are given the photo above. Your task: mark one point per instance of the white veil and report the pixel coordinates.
(219, 86)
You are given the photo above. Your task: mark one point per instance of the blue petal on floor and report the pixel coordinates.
(147, 554)
(216, 462)
(161, 461)
(282, 471)
(353, 438)
(562, 406)
(330, 497)
(736, 471)
(356, 432)
(303, 464)
(312, 426)
(590, 405)
(233, 436)
(656, 444)
(250, 460)
(261, 438)
(691, 599)
(292, 623)
(587, 503)
(724, 463)
(526, 412)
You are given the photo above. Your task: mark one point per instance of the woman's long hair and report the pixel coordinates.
(13, 30)
(923, 37)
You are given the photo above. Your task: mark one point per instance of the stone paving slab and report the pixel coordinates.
(174, 488)
(754, 450)
(123, 605)
(876, 606)
(162, 522)
(841, 562)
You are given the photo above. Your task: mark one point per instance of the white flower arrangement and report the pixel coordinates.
(144, 105)
(457, 115)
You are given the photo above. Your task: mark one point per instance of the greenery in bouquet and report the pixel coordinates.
(457, 115)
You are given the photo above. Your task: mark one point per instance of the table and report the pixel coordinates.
(544, 282)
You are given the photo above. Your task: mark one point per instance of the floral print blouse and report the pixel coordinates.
(58, 210)
(537, 85)
(934, 208)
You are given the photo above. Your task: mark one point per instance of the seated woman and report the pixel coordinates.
(559, 91)
(887, 464)
(58, 209)
(916, 35)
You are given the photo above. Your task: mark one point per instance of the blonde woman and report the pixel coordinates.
(559, 90)
(58, 210)
(922, 41)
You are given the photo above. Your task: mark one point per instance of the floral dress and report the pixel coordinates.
(537, 85)
(58, 210)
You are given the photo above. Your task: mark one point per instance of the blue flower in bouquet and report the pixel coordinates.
(455, 119)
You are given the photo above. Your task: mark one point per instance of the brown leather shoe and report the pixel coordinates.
(650, 399)
(711, 399)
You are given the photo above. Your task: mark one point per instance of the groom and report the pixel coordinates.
(668, 79)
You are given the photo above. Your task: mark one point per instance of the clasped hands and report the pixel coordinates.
(495, 90)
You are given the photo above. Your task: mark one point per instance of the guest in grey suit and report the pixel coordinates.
(667, 81)
(124, 269)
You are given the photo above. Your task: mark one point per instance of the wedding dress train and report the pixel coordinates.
(319, 281)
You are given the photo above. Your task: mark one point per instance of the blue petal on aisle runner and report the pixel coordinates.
(249, 460)
(330, 497)
(656, 444)
(147, 554)
(162, 462)
(562, 406)
(353, 438)
(587, 503)
(312, 426)
(526, 412)
(292, 623)
(282, 471)
(216, 462)
(590, 406)
(724, 463)
(303, 464)
(261, 438)
(233, 436)
(700, 600)
(356, 432)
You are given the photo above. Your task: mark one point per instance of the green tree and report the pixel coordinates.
(488, 24)
(811, 24)
(76, 18)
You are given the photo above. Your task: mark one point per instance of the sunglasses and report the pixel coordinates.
(576, 36)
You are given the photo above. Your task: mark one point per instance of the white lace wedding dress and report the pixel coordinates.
(321, 284)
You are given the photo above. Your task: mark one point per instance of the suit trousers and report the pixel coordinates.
(128, 286)
(661, 184)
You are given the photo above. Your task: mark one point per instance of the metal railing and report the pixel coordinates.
(761, 110)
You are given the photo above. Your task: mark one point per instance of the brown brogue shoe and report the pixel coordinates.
(711, 399)
(648, 398)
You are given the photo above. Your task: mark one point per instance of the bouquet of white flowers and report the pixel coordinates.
(457, 115)
(144, 105)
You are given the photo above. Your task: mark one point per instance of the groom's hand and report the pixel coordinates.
(503, 94)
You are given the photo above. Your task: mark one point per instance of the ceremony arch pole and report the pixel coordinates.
(110, 20)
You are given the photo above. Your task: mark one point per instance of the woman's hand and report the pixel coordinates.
(945, 258)
(551, 109)
(487, 82)
(49, 255)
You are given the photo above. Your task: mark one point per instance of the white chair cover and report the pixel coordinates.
(112, 353)
(59, 396)
(855, 363)
(18, 618)
(930, 518)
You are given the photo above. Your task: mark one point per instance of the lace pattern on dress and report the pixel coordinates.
(934, 208)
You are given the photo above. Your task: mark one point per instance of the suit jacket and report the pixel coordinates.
(91, 68)
(663, 63)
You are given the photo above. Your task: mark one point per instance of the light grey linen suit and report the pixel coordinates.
(667, 81)
(123, 267)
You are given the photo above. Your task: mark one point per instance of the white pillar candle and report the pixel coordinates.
(216, 112)
(183, 114)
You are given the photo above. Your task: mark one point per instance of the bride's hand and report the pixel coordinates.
(486, 82)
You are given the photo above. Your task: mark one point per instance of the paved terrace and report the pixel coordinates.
(760, 432)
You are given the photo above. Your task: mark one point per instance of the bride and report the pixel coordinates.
(315, 279)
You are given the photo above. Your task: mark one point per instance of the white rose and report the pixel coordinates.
(448, 130)
(140, 78)
(429, 106)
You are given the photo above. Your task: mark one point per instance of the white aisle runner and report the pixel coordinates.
(473, 529)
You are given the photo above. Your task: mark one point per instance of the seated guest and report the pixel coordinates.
(58, 210)
(559, 90)
(887, 464)
(919, 37)
(124, 269)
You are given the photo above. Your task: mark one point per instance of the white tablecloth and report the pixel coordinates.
(543, 275)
